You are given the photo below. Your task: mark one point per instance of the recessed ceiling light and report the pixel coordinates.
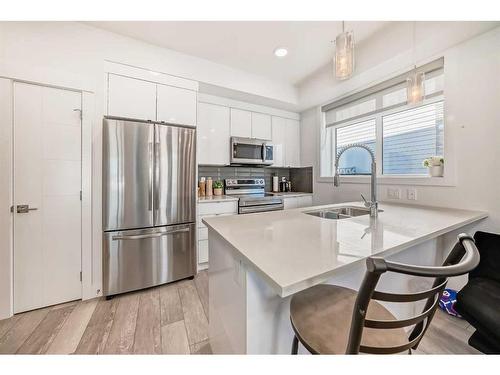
(280, 52)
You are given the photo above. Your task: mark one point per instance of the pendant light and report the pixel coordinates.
(415, 90)
(343, 60)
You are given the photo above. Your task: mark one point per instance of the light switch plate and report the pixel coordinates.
(411, 194)
(393, 193)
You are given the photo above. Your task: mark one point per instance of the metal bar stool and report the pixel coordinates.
(329, 319)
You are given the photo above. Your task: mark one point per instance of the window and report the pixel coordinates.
(410, 136)
(355, 161)
(400, 135)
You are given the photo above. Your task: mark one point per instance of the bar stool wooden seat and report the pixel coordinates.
(329, 319)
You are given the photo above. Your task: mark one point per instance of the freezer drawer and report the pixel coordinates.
(143, 258)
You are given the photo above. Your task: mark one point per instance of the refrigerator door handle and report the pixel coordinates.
(150, 195)
(149, 235)
(156, 176)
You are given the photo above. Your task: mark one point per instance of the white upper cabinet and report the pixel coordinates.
(176, 105)
(241, 123)
(278, 138)
(250, 124)
(213, 134)
(131, 98)
(261, 126)
(292, 143)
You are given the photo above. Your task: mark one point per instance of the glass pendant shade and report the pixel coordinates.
(344, 55)
(415, 91)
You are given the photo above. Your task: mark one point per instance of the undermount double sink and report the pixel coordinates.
(342, 212)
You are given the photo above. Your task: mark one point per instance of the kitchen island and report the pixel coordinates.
(258, 261)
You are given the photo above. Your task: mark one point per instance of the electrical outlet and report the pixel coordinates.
(393, 193)
(411, 194)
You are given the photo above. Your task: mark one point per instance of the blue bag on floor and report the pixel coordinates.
(447, 302)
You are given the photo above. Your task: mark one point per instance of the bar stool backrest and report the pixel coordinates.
(463, 258)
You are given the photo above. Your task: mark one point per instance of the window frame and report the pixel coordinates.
(448, 178)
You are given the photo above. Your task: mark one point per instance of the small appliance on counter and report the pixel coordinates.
(285, 185)
(276, 186)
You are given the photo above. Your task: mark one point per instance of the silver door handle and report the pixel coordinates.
(149, 235)
(264, 152)
(24, 208)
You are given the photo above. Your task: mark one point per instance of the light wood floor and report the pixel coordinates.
(170, 319)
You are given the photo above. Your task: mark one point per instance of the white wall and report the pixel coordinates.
(6, 262)
(387, 53)
(472, 129)
(71, 54)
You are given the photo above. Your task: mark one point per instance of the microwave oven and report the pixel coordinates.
(251, 151)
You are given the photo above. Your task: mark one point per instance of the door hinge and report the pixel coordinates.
(81, 194)
(80, 276)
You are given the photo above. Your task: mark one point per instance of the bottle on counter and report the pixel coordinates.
(289, 185)
(283, 184)
(208, 187)
(202, 186)
(276, 187)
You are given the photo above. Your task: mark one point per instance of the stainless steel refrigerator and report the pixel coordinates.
(149, 182)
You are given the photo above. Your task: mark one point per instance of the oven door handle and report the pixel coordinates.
(149, 235)
(263, 208)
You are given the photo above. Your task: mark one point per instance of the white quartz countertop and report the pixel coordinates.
(293, 251)
(217, 198)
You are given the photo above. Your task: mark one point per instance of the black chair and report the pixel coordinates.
(329, 319)
(479, 300)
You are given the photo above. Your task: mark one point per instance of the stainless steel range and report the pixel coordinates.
(252, 194)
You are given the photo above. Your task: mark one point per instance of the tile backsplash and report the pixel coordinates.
(223, 172)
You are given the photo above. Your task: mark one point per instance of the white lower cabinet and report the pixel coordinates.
(210, 209)
(297, 202)
(203, 254)
(305, 201)
(290, 203)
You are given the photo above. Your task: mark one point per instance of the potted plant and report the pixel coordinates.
(218, 187)
(435, 165)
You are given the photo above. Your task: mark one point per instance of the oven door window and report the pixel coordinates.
(246, 151)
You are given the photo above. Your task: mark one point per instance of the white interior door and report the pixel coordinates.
(47, 178)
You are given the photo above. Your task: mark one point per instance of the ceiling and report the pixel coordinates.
(249, 45)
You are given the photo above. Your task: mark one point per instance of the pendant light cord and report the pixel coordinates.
(414, 38)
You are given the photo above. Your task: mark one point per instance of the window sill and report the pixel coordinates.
(422, 180)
